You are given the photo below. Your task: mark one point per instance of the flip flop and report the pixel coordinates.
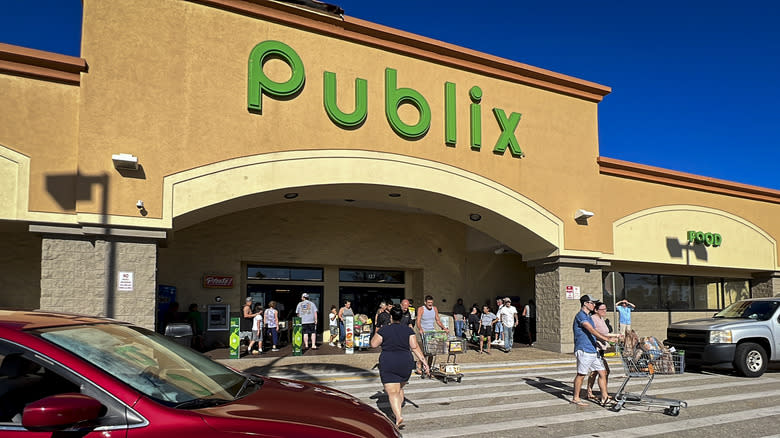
(578, 403)
(593, 398)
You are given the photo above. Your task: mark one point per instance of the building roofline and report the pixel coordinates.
(405, 43)
(39, 64)
(626, 169)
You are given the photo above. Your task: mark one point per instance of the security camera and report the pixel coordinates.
(581, 215)
(140, 204)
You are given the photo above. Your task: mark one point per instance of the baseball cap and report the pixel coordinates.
(507, 299)
(584, 299)
(248, 299)
(304, 295)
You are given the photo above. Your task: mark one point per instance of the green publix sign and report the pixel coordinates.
(260, 84)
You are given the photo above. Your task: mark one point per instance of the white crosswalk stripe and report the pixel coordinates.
(532, 399)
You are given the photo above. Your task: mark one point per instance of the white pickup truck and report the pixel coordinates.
(744, 336)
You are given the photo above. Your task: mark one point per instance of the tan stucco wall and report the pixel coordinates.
(645, 214)
(167, 82)
(659, 235)
(313, 234)
(180, 102)
(20, 270)
(39, 120)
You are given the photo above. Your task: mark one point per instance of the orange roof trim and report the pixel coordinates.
(39, 64)
(394, 40)
(626, 169)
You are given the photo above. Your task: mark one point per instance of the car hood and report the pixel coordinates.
(288, 405)
(711, 324)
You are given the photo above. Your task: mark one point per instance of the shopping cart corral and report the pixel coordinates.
(441, 343)
(646, 364)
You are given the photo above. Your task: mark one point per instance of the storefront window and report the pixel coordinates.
(706, 293)
(284, 273)
(642, 290)
(675, 292)
(735, 290)
(370, 276)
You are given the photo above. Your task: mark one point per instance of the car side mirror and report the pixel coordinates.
(62, 412)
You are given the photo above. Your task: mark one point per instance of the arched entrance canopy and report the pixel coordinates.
(325, 175)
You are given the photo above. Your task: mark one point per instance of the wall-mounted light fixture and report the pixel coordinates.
(141, 208)
(582, 216)
(125, 161)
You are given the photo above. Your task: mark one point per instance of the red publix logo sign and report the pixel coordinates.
(217, 282)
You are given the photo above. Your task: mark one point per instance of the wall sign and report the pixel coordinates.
(125, 281)
(217, 282)
(708, 239)
(260, 84)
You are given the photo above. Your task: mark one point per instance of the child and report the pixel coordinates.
(333, 318)
(257, 330)
(486, 327)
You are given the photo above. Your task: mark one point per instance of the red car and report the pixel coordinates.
(98, 377)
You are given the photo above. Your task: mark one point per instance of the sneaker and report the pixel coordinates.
(331, 344)
(255, 352)
(274, 349)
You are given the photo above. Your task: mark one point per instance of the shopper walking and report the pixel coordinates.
(247, 319)
(487, 321)
(498, 329)
(427, 320)
(257, 331)
(585, 351)
(307, 311)
(598, 315)
(508, 317)
(396, 362)
(459, 315)
(333, 325)
(529, 322)
(271, 318)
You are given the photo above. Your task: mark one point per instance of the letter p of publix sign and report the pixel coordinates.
(708, 239)
(260, 84)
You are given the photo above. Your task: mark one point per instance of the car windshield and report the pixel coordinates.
(758, 310)
(150, 363)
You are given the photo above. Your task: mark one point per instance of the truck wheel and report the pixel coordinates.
(750, 360)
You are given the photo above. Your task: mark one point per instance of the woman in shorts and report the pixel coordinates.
(487, 320)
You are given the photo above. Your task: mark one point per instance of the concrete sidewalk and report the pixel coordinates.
(331, 359)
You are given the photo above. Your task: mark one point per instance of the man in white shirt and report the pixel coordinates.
(508, 316)
(307, 311)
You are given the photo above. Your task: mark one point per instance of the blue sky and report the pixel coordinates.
(695, 84)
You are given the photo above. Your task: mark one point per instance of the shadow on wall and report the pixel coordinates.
(67, 190)
(677, 248)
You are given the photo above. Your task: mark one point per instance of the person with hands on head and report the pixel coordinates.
(395, 362)
(624, 308)
(586, 351)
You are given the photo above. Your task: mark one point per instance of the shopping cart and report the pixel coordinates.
(440, 343)
(641, 363)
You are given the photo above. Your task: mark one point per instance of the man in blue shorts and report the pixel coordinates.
(585, 351)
